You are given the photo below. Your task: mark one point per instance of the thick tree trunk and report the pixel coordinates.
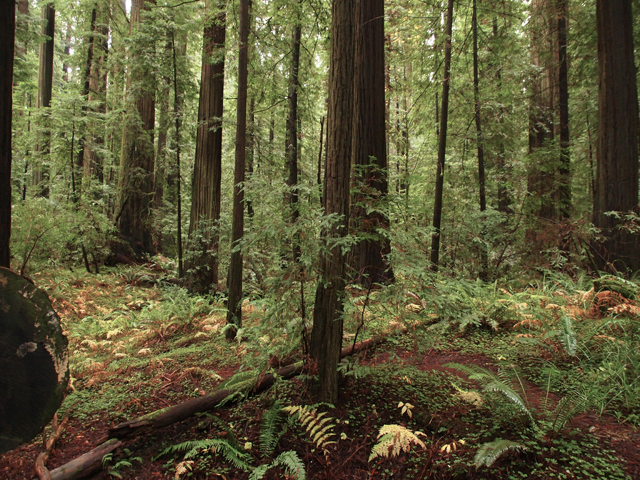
(442, 143)
(541, 177)
(135, 184)
(326, 334)
(202, 266)
(234, 282)
(617, 169)
(368, 256)
(45, 89)
(7, 39)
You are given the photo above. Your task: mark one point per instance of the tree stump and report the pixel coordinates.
(33, 360)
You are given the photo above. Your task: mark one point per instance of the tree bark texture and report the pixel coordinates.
(442, 142)
(616, 186)
(368, 256)
(45, 88)
(135, 184)
(202, 266)
(234, 281)
(7, 39)
(326, 334)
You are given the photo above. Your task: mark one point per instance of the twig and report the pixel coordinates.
(57, 429)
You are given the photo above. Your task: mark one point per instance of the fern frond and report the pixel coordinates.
(241, 382)
(293, 465)
(488, 453)
(318, 426)
(568, 336)
(271, 432)
(392, 439)
(492, 382)
(237, 458)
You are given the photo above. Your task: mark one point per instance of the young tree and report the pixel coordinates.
(564, 171)
(616, 186)
(234, 282)
(326, 334)
(45, 91)
(370, 146)
(202, 268)
(292, 127)
(7, 39)
(479, 138)
(442, 142)
(135, 183)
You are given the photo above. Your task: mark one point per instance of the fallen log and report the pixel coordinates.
(90, 462)
(33, 360)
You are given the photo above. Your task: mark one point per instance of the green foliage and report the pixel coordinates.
(488, 453)
(292, 464)
(193, 448)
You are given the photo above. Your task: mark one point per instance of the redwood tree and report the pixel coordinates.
(7, 39)
(234, 281)
(202, 266)
(45, 90)
(135, 184)
(616, 186)
(368, 256)
(326, 334)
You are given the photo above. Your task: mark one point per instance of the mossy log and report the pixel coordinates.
(33, 360)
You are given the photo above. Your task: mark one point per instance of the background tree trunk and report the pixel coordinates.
(326, 334)
(292, 127)
(7, 39)
(234, 282)
(368, 256)
(442, 142)
(45, 87)
(564, 171)
(616, 186)
(135, 184)
(202, 267)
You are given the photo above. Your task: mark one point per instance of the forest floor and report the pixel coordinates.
(138, 344)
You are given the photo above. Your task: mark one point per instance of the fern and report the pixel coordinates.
(271, 432)
(319, 428)
(488, 453)
(493, 383)
(238, 458)
(568, 336)
(293, 466)
(392, 439)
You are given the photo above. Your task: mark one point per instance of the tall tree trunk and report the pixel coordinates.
(7, 40)
(177, 115)
(251, 148)
(45, 89)
(135, 184)
(564, 187)
(442, 142)
(234, 282)
(326, 334)
(541, 177)
(503, 172)
(484, 261)
(617, 168)
(368, 256)
(92, 158)
(202, 267)
(292, 127)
